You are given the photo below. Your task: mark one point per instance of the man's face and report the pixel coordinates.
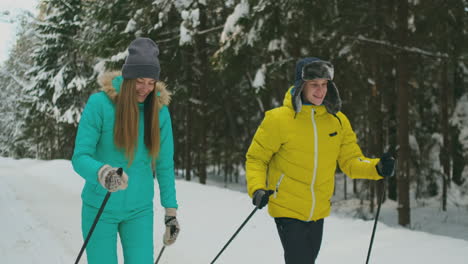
(315, 90)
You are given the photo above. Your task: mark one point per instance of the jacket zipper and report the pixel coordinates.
(278, 185)
(314, 175)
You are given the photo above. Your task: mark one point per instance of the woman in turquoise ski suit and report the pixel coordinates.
(128, 126)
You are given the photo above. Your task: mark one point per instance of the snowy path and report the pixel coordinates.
(40, 222)
(28, 229)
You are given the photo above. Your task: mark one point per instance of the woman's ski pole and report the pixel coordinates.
(160, 254)
(101, 209)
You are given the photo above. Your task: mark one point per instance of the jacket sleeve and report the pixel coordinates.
(87, 137)
(265, 143)
(351, 160)
(165, 161)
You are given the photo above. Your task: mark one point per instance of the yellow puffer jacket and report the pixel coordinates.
(296, 156)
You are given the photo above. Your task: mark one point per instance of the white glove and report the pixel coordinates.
(113, 179)
(172, 227)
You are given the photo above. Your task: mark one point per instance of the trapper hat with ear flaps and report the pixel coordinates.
(314, 68)
(142, 60)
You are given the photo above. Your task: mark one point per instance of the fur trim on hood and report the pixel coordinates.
(106, 80)
(332, 100)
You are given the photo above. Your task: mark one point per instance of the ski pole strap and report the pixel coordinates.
(169, 219)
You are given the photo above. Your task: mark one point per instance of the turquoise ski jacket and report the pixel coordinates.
(94, 147)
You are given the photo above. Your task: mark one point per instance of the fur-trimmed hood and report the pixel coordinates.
(332, 100)
(110, 83)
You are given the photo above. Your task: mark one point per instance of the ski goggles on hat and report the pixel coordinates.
(317, 70)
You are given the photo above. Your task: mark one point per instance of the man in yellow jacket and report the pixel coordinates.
(292, 160)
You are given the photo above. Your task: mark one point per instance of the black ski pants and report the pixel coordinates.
(301, 240)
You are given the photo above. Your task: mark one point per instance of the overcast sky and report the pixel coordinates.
(8, 10)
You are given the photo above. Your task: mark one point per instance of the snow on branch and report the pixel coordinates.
(202, 32)
(209, 30)
(399, 47)
(460, 120)
(231, 27)
(68, 5)
(23, 83)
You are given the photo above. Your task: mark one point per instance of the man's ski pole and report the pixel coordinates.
(235, 234)
(389, 171)
(101, 209)
(375, 222)
(160, 254)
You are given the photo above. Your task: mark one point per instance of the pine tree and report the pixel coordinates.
(13, 80)
(60, 75)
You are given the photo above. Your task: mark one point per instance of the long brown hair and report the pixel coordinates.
(126, 121)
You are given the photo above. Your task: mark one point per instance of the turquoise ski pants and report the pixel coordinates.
(135, 228)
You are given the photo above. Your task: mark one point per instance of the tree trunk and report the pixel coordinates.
(226, 167)
(354, 187)
(371, 196)
(445, 148)
(188, 142)
(458, 41)
(345, 187)
(188, 118)
(403, 122)
(202, 52)
(375, 102)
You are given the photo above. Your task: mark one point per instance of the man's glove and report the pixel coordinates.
(386, 165)
(260, 198)
(172, 227)
(113, 179)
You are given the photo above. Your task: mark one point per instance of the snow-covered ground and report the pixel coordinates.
(426, 214)
(40, 222)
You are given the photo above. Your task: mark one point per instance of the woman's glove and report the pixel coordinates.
(172, 227)
(113, 179)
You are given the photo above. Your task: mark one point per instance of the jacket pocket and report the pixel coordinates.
(278, 183)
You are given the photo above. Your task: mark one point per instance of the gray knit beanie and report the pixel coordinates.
(142, 60)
